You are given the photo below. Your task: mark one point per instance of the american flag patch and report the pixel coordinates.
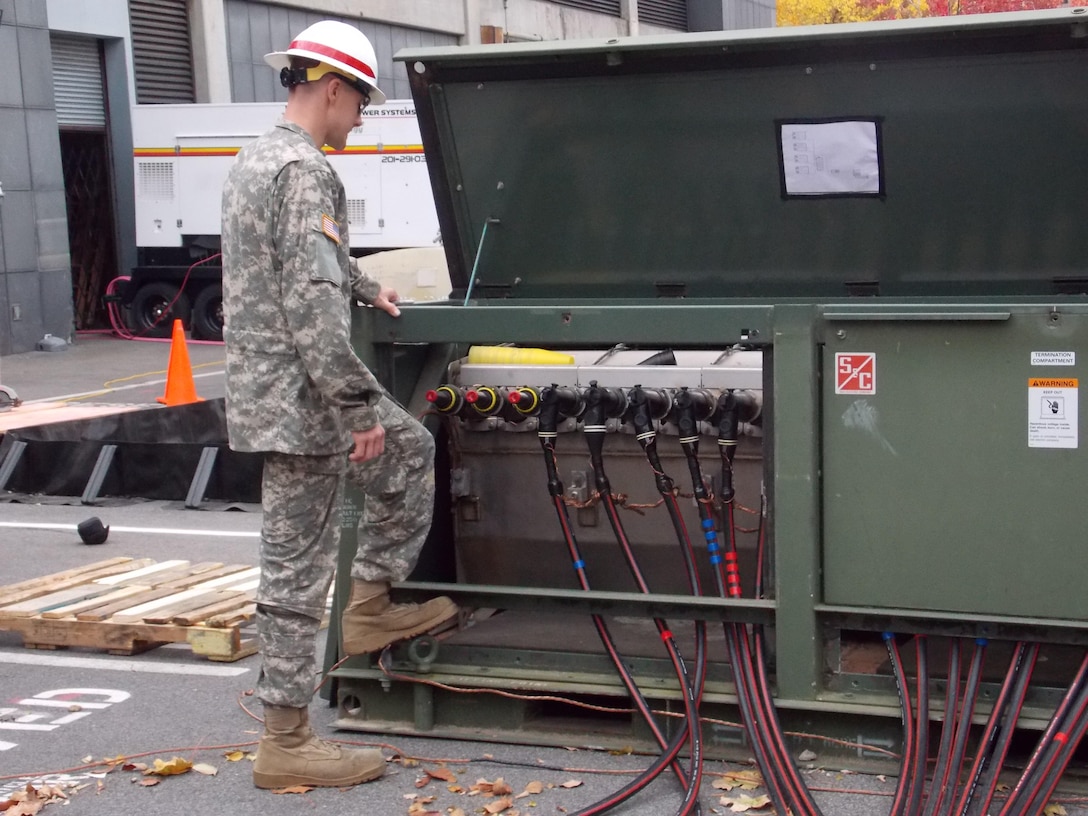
(330, 227)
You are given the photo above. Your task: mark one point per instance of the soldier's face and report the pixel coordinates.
(346, 114)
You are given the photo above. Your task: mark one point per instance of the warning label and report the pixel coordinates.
(855, 372)
(1052, 412)
(1053, 358)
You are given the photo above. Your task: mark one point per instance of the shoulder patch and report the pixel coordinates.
(330, 227)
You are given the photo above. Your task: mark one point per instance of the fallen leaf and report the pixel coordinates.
(171, 767)
(234, 756)
(499, 805)
(740, 804)
(206, 769)
(626, 750)
(150, 782)
(571, 783)
(421, 781)
(24, 809)
(445, 774)
(293, 789)
(134, 766)
(455, 789)
(1054, 809)
(742, 780)
(457, 812)
(497, 788)
(531, 789)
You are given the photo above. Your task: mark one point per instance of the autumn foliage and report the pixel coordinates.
(816, 12)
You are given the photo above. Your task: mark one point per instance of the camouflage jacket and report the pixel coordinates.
(293, 382)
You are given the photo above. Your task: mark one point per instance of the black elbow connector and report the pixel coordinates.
(640, 410)
(602, 404)
(594, 414)
(728, 414)
(685, 415)
(728, 417)
(548, 418)
(571, 405)
(748, 409)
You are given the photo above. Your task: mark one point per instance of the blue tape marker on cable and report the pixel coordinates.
(579, 564)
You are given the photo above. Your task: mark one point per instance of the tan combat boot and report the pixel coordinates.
(371, 621)
(290, 753)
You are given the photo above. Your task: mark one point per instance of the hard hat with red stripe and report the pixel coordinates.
(342, 47)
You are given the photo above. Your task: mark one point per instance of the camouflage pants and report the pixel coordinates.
(301, 498)
(399, 498)
(300, 534)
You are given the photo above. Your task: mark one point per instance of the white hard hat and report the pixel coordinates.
(339, 45)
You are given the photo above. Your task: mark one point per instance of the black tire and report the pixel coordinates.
(151, 313)
(207, 319)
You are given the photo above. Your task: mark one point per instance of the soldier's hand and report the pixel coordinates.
(369, 444)
(386, 300)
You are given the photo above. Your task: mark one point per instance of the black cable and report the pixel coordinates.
(645, 406)
(752, 667)
(903, 784)
(963, 725)
(948, 728)
(602, 403)
(551, 399)
(981, 795)
(921, 728)
(1046, 740)
(1063, 744)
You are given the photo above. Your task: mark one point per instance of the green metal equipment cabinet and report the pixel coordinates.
(891, 216)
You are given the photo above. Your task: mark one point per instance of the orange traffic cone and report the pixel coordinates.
(180, 388)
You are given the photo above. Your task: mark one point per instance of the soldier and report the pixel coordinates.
(297, 392)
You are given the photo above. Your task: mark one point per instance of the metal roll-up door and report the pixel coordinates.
(77, 82)
(161, 51)
(666, 13)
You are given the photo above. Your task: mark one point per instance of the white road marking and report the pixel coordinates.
(136, 666)
(28, 525)
(104, 391)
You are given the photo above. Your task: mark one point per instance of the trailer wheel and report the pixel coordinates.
(151, 313)
(207, 320)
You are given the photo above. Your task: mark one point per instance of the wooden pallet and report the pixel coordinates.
(128, 605)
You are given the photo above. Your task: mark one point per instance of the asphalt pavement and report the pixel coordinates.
(86, 722)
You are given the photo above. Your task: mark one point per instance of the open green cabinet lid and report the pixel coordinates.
(937, 157)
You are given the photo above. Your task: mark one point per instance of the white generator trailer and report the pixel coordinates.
(182, 154)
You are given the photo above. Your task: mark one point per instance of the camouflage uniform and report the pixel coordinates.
(399, 488)
(399, 484)
(295, 388)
